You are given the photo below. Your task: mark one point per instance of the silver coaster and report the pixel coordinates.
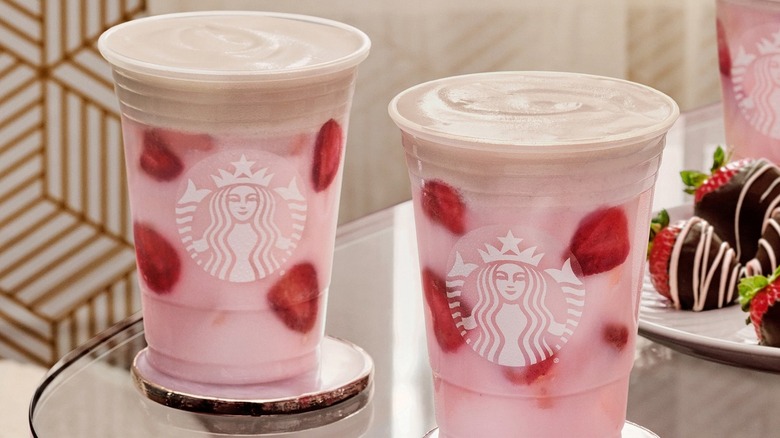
(346, 370)
(630, 430)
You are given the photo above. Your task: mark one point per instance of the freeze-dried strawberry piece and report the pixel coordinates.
(530, 374)
(183, 140)
(444, 205)
(444, 328)
(601, 240)
(295, 297)
(616, 335)
(724, 55)
(157, 160)
(327, 155)
(158, 262)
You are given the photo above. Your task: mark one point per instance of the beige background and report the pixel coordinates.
(66, 259)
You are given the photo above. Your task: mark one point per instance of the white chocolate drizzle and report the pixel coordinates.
(705, 269)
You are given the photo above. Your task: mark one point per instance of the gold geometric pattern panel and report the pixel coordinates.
(67, 268)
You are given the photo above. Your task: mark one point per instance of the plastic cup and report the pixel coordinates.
(532, 194)
(234, 128)
(749, 58)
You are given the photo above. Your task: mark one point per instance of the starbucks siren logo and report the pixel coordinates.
(755, 74)
(241, 214)
(512, 308)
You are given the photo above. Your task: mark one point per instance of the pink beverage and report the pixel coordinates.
(749, 57)
(532, 194)
(234, 128)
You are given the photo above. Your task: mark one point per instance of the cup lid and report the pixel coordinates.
(234, 46)
(533, 112)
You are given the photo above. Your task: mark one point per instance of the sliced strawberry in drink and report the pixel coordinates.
(444, 328)
(444, 205)
(183, 140)
(295, 297)
(158, 262)
(157, 160)
(530, 374)
(724, 55)
(327, 155)
(601, 240)
(616, 335)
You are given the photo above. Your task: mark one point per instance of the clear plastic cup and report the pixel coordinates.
(749, 59)
(532, 194)
(234, 128)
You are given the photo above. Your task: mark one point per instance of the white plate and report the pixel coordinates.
(720, 335)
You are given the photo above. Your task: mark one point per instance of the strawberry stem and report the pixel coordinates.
(693, 179)
(658, 223)
(750, 286)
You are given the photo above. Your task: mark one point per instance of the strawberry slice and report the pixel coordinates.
(724, 55)
(183, 140)
(616, 335)
(444, 205)
(295, 297)
(444, 328)
(601, 240)
(327, 155)
(758, 296)
(157, 160)
(158, 262)
(530, 374)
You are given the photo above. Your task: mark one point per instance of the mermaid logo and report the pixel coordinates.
(756, 79)
(238, 225)
(521, 312)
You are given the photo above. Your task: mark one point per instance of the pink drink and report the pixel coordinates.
(749, 56)
(234, 128)
(532, 195)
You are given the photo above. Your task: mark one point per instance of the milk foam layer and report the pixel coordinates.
(533, 109)
(233, 43)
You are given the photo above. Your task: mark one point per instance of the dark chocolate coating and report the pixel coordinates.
(755, 183)
(770, 326)
(694, 237)
(768, 255)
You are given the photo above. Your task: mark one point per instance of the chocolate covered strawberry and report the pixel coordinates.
(768, 256)
(158, 262)
(327, 155)
(600, 242)
(444, 205)
(759, 295)
(690, 265)
(736, 198)
(435, 292)
(295, 297)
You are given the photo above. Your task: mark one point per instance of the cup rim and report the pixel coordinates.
(121, 61)
(513, 146)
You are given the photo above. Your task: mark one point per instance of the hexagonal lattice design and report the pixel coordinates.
(66, 256)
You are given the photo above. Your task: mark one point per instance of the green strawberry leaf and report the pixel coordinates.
(750, 286)
(658, 223)
(719, 158)
(692, 180)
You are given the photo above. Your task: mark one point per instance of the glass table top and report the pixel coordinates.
(374, 302)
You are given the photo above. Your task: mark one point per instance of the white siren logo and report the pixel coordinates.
(512, 308)
(756, 77)
(241, 214)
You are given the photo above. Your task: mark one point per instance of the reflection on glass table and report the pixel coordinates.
(375, 302)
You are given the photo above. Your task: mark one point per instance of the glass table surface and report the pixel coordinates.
(375, 302)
